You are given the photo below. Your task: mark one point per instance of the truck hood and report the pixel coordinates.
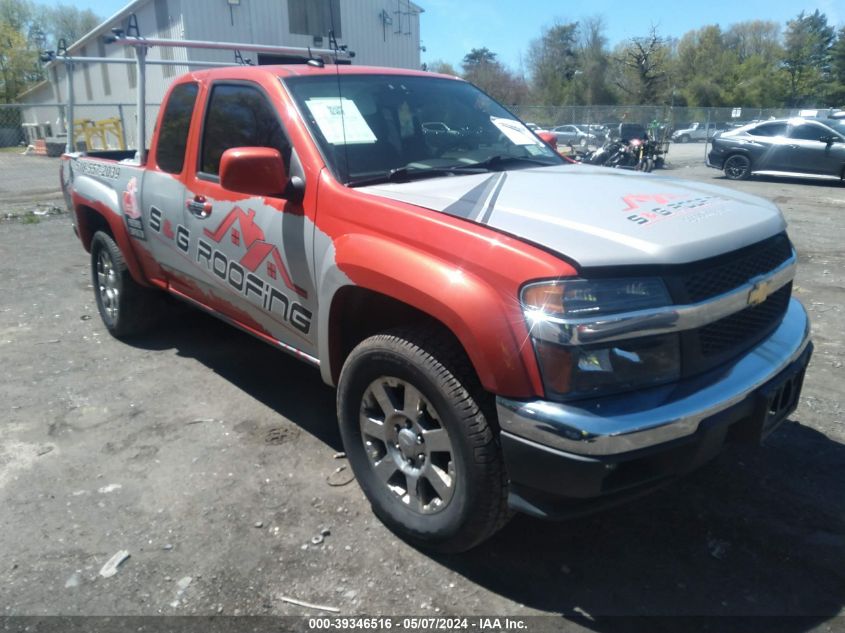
(595, 216)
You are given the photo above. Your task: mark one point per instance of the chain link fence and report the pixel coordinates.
(665, 119)
(97, 126)
(113, 125)
(643, 115)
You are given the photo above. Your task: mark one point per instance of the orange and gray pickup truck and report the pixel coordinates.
(506, 331)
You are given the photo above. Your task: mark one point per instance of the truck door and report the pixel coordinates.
(250, 254)
(163, 191)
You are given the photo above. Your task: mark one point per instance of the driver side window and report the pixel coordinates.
(807, 132)
(239, 115)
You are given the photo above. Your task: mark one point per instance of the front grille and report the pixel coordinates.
(743, 329)
(737, 270)
(724, 340)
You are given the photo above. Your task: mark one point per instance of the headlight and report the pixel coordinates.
(553, 309)
(578, 298)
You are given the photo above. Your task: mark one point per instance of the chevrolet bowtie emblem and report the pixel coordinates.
(759, 293)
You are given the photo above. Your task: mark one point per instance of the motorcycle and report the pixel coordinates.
(637, 154)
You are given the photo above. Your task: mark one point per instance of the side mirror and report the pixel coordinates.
(259, 171)
(550, 138)
(828, 139)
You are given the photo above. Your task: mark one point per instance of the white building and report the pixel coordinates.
(379, 32)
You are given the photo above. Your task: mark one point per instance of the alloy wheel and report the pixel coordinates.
(107, 284)
(407, 446)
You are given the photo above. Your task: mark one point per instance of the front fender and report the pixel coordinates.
(485, 319)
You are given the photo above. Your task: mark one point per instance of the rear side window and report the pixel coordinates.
(239, 116)
(769, 129)
(173, 134)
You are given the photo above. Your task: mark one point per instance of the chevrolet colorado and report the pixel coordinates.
(506, 331)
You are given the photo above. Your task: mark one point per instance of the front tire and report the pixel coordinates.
(126, 307)
(737, 167)
(418, 431)
(684, 139)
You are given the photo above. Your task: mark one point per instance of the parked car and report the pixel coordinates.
(698, 132)
(573, 135)
(506, 330)
(804, 147)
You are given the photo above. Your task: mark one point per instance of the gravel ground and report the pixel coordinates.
(210, 458)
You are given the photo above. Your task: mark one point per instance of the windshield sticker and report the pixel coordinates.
(340, 120)
(516, 132)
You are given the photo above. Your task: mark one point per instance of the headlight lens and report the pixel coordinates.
(579, 298)
(571, 372)
(574, 371)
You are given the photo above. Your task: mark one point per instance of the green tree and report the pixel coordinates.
(807, 58)
(554, 64)
(18, 57)
(477, 57)
(592, 83)
(837, 53)
(442, 67)
(758, 78)
(703, 66)
(481, 68)
(20, 22)
(65, 22)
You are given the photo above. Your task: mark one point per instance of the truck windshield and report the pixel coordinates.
(380, 128)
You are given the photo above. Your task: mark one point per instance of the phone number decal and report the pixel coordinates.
(103, 170)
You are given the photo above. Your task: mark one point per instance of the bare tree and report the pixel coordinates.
(644, 68)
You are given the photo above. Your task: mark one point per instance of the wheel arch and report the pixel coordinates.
(92, 217)
(739, 151)
(361, 300)
(384, 313)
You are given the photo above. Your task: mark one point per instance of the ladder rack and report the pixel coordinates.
(143, 44)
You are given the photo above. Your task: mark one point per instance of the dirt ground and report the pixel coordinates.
(210, 458)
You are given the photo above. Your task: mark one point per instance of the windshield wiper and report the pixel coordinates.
(499, 161)
(407, 174)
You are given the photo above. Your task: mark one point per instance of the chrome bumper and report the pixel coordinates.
(627, 422)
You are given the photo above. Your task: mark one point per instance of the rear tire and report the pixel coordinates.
(126, 307)
(737, 167)
(419, 433)
(684, 139)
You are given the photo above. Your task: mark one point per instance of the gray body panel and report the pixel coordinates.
(596, 216)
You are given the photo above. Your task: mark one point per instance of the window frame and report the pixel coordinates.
(203, 175)
(197, 101)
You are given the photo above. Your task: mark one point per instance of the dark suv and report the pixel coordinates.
(805, 147)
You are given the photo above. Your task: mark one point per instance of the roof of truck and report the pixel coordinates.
(294, 70)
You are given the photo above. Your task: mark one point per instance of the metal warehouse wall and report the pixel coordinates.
(267, 22)
(381, 32)
(110, 83)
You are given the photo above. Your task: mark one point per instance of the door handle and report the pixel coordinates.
(199, 206)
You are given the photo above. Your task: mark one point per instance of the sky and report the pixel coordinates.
(450, 28)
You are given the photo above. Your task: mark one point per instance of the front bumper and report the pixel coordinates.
(621, 444)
